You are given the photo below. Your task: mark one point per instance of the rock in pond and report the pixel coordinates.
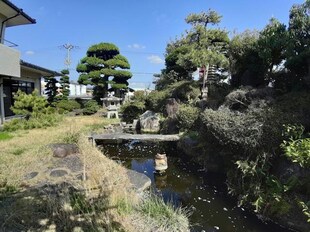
(149, 122)
(139, 181)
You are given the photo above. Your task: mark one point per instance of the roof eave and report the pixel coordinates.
(19, 11)
(44, 71)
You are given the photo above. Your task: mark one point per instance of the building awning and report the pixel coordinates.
(15, 15)
(42, 71)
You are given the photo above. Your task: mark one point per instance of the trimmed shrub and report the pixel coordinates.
(29, 104)
(156, 101)
(187, 116)
(39, 121)
(132, 110)
(91, 107)
(65, 106)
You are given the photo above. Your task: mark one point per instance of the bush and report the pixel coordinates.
(236, 130)
(187, 116)
(29, 104)
(156, 101)
(132, 110)
(297, 148)
(65, 106)
(91, 107)
(39, 121)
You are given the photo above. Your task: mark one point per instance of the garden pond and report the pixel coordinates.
(188, 185)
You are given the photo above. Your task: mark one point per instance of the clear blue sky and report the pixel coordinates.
(140, 28)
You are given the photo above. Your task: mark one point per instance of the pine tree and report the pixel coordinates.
(51, 89)
(65, 84)
(103, 61)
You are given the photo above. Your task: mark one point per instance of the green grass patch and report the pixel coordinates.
(101, 125)
(18, 151)
(168, 217)
(124, 206)
(5, 136)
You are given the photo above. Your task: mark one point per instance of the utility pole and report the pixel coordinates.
(68, 47)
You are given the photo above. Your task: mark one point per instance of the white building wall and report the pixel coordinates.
(9, 61)
(77, 89)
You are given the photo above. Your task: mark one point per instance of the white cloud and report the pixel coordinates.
(155, 59)
(136, 46)
(29, 53)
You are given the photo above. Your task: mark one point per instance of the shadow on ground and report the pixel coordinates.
(54, 208)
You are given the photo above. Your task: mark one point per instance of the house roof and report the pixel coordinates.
(15, 16)
(43, 71)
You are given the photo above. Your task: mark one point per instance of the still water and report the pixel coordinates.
(205, 194)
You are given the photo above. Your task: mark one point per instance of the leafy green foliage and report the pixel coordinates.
(132, 110)
(297, 148)
(36, 112)
(205, 46)
(65, 106)
(38, 121)
(29, 104)
(187, 116)
(257, 58)
(298, 51)
(239, 131)
(246, 66)
(204, 18)
(271, 46)
(91, 107)
(267, 193)
(305, 209)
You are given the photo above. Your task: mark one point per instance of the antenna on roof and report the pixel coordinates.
(68, 47)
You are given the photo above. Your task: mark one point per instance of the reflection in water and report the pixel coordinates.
(160, 180)
(183, 184)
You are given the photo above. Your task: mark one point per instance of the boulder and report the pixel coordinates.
(61, 150)
(149, 122)
(139, 181)
(172, 108)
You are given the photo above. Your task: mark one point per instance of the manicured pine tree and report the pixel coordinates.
(51, 89)
(103, 61)
(65, 84)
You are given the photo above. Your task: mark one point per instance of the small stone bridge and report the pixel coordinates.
(119, 137)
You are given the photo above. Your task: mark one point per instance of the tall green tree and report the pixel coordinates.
(200, 46)
(103, 61)
(206, 46)
(298, 50)
(65, 84)
(272, 44)
(51, 89)
(243, 58)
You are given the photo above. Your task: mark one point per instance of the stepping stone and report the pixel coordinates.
(30, 175)
(58, 173)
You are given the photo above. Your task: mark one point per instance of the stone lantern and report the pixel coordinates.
(161, 163)
(112, 104)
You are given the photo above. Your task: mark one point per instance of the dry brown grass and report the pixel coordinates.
(27, 150)
(108, 202)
